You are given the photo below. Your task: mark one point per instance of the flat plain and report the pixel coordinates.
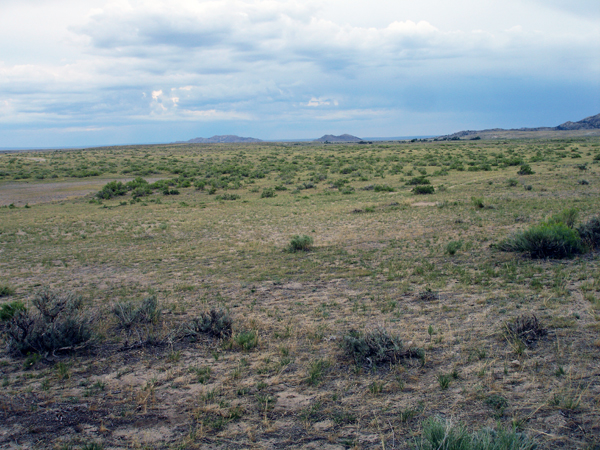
(213, 231)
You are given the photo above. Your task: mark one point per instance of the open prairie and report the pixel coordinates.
(347, 309)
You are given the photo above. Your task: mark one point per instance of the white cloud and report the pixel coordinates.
(126, 61)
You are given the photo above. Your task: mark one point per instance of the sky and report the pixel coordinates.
(90, 73)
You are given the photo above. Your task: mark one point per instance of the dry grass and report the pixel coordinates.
(379, 259)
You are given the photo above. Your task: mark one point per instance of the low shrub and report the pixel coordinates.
(267, 193)
(512, 182)
(421, 190)
(477, 202)
(112, 189)
(57, 324)
(415, 181)
(214, 322)
(300, 243)
(547, 240)
(383, 188)
(589, 232)
(376, 347)
(525, 170)
(441, 434)
(227, 196)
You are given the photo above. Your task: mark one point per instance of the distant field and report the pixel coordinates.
(212, 229)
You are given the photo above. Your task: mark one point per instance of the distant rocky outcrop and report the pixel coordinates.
(226, 139)
(342, 138)
(589, 123)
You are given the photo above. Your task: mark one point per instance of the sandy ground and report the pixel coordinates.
(22, 193)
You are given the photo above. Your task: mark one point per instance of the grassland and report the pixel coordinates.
(422, 267)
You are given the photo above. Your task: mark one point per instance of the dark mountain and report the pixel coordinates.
(589, 123)
(226, 139)
(342, 138)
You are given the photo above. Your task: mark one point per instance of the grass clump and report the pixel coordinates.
(57, 323)
(214, 322)
(376, 347)
(6, 291)
(421, 190)
(441, 434)
(526, 328)
(128, 315)
(547, 240)
(301, 243)
(453, 246)
(247, 340)
(8, 310)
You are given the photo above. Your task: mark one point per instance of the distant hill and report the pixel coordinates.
(342, 138)
(226, 139)
(585, 127)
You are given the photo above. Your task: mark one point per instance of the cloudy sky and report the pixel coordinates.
(98, 72)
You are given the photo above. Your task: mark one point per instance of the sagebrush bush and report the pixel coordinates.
(112, 189)
(267, 193)
(420, 190)
(525, 170)
(300, 243)
(214, 322)
(547, 240)
(589, 232)
(415, 181)
(376, 347)
(57, 324)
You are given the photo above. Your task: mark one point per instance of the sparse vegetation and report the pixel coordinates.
(250, 326)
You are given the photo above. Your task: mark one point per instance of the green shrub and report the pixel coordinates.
(346, 190)
(376, 347)
(214, 322)
(300, 243)
(421, 190)
(525, 170)
(247, 340)
(568, 217)
(6, 291)
(453, 246)
(440, 434)
(112, 189)
(227, 196)
(267, 193)
(418, 181)
(547, 240)
(477, 202)
(8, 310)
(383, 188)
(57, 324)
(589, 232)
(512, 182)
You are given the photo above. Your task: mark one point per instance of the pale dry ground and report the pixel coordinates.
(385, 267)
